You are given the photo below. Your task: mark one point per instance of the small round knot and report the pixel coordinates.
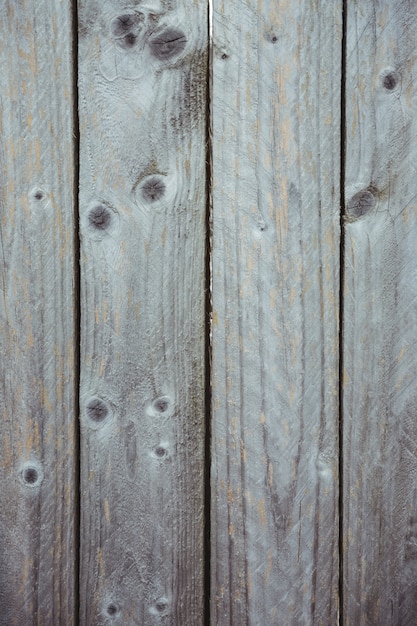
(97, 410)
(161, 405)
(100, 217)
(37, 194)
(224, 56)
(360, 204)
(100, 220)
(390, 80)
(167, 44)
(161, 451)
(125, 30)
(31, 474)
(122, 24)
(161, 605)
(112, 609)
(153, 189)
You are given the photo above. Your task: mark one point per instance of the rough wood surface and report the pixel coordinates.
(276, 168)
(37, 340)
(380, 315)
(143, 74)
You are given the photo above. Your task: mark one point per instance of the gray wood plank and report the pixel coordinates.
(37, 338)
(380, 315)
(143, 74)
(276, 168)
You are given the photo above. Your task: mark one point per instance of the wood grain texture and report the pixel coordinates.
(380, 315)
(276, 168)
(143, 75)
(37, 338)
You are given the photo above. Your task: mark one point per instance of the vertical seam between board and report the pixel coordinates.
(77, 315)
(208, 324)
(341, 298)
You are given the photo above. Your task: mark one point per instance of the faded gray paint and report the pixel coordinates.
(276, 172)
(143, 76)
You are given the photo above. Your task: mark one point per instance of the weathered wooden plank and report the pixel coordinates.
(143, 74)
(380, 315)
(37, 338)
(276, 168)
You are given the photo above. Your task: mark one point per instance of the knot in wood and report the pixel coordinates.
(167, 44)
(125, 30)
(97, 410)
(390, 80)
(360, 204)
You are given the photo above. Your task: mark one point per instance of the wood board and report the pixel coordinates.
(143, 77)
(380, 288)
(276, 200)
(38, 342)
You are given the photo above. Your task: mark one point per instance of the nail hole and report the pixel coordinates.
(274, 39)
(97, 410)
(168, 44)
(99, 217)
(153, 189)
(161, 404)
(390, 81)
(361, 203)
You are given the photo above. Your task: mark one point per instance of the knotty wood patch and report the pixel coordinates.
(143, 77)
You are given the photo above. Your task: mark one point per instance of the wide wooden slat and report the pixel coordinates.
(380, 315)
(37, 338)
(143, 75)
(276, 169)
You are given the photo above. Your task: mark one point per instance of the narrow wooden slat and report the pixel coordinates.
(143, 74)
(380, 315)
(276, 168)
(37, 338)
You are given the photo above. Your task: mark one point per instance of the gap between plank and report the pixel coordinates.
(341, 295)
(77, 314)
(208, 322)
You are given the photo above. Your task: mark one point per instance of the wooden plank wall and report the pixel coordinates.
(380, 315)
(280, 87)
(276, 198)
(37, 337)
(143, 77)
